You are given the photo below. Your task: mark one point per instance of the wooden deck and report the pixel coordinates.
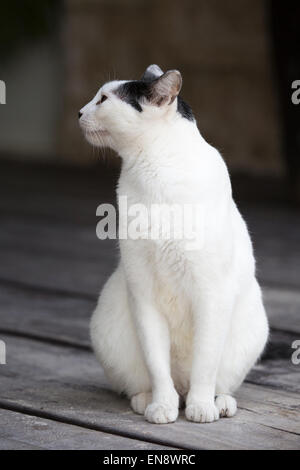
(53, 392)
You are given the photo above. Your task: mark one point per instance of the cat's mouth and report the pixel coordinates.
(96, 132)
(97, 137)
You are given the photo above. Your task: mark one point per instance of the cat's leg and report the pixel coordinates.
(152, 330)
(154, 337)
(114, 335)
(212, 309)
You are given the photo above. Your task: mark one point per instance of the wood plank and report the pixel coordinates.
(35, 220)
(40, 238)
(12, 444)
(283, 308)
(79, 275)
(257, 401)
(65, 383)
(275, 231)
(279, 346)
(60, 258)
(277, 373)
(46, 315)
(65, 318)
(21, 431)
(65, 240)
(276, 368)
(65, 258)
(72, 276)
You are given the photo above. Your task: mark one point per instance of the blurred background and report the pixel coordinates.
(238, 59)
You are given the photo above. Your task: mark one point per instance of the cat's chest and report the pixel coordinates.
(151, 183)
(169, 266)
(155, 212)
(169, 271)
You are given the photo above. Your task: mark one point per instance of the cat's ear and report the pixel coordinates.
(152, 72)
(166, 88)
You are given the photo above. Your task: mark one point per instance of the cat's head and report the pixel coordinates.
(123, 111)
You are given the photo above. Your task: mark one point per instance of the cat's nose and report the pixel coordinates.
(79, 115)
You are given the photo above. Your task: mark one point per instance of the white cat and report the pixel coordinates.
(171, 322)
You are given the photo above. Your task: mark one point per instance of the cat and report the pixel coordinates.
(172, 323)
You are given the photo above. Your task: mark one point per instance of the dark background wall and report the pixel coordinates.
(222, 49)
(55, 55)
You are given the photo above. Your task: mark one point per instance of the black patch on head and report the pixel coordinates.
(133, 92)
(184, 109)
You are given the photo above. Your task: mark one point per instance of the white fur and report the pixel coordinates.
(171, 322)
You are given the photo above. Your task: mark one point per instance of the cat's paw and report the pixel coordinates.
(226, 405)
(160, 413)
(202, 412)
(140, 401)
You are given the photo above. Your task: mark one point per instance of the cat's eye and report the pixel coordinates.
(103, 98)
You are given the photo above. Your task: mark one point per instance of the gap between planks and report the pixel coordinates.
(28, 411)
(73, 425)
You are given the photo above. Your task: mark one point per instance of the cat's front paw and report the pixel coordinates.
(160, 413)
(226, 405)
(202, 412)
(140, 401)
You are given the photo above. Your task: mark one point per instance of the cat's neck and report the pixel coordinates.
(164, 142)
